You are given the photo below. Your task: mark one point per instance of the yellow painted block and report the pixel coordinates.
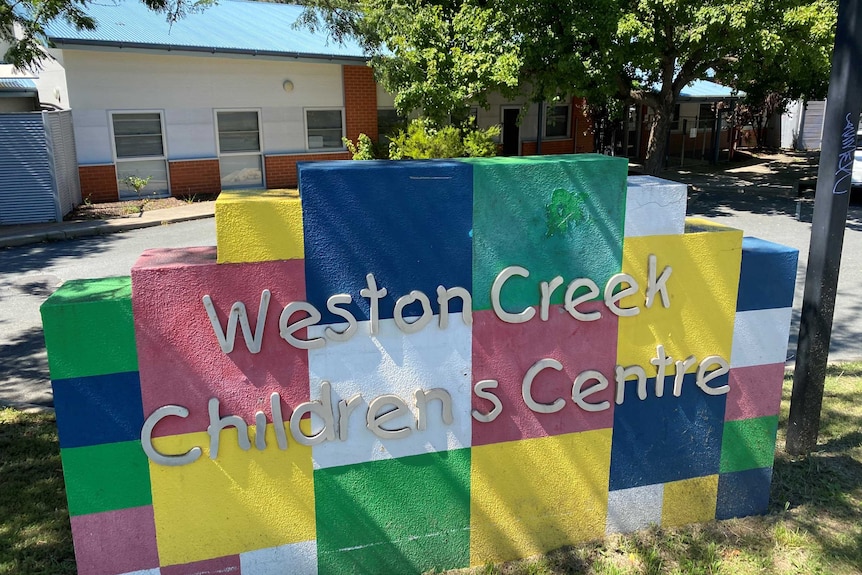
(689, 501)
(259, 226)
(702, 289)
(534, 495)
(241, 501)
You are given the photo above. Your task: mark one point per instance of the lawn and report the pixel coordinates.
(814, 524)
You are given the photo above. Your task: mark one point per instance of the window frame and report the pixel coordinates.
(219, 151)
(324, 149)
(162, 134)
(258, 153)
(568, 134)
(118, 160)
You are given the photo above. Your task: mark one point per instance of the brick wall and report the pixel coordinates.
(98, 183)
(360, 102)
(281, 170)
(549, 147)
(189, 177)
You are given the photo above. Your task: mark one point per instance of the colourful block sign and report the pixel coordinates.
(417, 366)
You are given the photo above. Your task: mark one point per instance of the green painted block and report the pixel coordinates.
(406, 515)
(748, 444)
(555, 216)
(106, 477)
(89, 328)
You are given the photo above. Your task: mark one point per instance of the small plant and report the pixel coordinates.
(363, 149)
(422, 140)
(190, 198)
(138, 184)
(88, 201)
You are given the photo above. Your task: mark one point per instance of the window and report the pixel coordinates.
(140, 151)
(389, 121)
(557, 122)
(706, 117)
(674, 121)
(240, 162)
(324, 129)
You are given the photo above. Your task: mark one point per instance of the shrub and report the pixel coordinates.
(422, 140)
(363, 149)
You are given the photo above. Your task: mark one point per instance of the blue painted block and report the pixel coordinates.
(98, 409)
(767, 278)
(662, 439)
(743, 493)
(408, 222)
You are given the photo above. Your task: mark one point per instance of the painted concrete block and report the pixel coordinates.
(768, 276)
(654, 207)
(228, 564)
(99, 409)
(259, 226)
(668, 438)
(506, 353)
(689, 501)
(183, 362)
(118, 541)
(748, 444)
(241, 501)
(359, 466)
(560, 215)
(701, 293)
(88, 327)
(408, 223)
(635, 508)
(298, 558)
(743, 493)
(106, 477)
(760, 337)
(393, 362)
(755, 391)
(556, 493)
(405, 515)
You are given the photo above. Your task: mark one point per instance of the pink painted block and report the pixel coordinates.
(179, 356)
(221, 566)
(505, 352)
(754, 391)
(115, 541)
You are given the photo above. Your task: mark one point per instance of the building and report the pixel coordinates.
(233, 97)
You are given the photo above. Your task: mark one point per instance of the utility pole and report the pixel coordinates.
(827, 230)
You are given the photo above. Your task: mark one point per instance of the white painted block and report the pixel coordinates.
(633, 509)
(295, 558)
(760, 337)
(395, 363)
(654, 207)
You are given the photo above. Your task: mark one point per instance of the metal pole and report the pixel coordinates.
(827, 231)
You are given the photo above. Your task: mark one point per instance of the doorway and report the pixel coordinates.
(511, 132)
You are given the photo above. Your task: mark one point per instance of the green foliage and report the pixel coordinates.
(422, 140)
(136, 183)
(440, 56)
(363, 149)
(31, 17)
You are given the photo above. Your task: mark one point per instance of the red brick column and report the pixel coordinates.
(549, 147)
(281, 170)
(189, 177)
(360, 102)
(99, 183)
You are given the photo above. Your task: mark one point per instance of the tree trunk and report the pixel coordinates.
(657, 143)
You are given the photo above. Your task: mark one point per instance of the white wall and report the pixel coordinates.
(187, 89)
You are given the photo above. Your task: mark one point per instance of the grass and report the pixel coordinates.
(814, 524)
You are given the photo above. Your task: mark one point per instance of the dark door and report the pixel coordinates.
(511, 132)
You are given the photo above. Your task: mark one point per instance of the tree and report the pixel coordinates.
(439, 55)
(23, 23)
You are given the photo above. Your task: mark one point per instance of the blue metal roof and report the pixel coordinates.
(17, 85)
(706, 89)
(230, 27)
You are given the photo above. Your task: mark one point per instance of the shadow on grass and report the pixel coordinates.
(35, 537)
